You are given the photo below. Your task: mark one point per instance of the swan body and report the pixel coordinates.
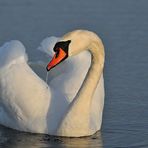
(70, 105)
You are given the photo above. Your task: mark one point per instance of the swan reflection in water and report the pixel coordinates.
(15, 139)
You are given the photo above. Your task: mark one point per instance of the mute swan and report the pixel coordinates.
(28, 104)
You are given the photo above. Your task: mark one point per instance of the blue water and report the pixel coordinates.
(123, 27)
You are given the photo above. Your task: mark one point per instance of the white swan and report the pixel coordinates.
(28, 104)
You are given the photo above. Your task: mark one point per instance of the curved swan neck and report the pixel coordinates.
(94, 73)
(86, 40)
(81, 104)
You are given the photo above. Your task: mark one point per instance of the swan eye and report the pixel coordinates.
(57, 53)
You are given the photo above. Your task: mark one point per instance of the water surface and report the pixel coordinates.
(123, 27)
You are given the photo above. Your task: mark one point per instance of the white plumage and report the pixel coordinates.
(60, 108)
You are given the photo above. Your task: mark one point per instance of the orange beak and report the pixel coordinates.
(57, 58)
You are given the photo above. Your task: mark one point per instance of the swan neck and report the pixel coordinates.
(78, 114)
(92, 78)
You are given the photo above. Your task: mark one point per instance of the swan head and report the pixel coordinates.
(70, 44)
(61, 50)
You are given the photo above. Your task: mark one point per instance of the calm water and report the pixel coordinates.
(123, 27)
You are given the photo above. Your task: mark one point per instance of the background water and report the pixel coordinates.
(123, 27)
